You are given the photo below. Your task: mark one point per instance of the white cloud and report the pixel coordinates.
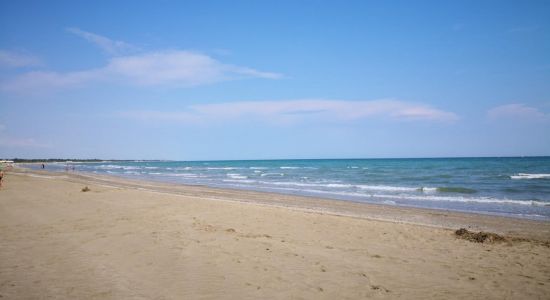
(11, 59)
(290, 111)
(109, 46)
(163, 68)
(517, 112)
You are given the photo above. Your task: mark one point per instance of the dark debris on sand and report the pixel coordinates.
(479, 237)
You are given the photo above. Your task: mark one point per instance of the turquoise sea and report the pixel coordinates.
(518, 186)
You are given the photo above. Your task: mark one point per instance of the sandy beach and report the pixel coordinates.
(126, 239)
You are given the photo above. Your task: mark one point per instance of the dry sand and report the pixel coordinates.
(125, 239)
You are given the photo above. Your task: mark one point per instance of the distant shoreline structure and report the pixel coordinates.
(92, 160)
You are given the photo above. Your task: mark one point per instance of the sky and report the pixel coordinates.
(217, 80)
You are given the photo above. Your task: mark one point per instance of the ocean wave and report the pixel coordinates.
(223, 168)
(236, 176)
(188, 175)
(258, 168)
(484, 200)
(184, 168)
(272, 174)
(292, 168)
(530, 176)
(460, 190)
(238, 181)
(291, 183)
(388, 188)
(108, 167)
(346, 186)
(338, 185)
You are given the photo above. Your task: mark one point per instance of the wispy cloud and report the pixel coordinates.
(108, 46)
(22, 143)
(163, 68)
(517, 111)
(12, 59)
(17, 142)
(291, 111)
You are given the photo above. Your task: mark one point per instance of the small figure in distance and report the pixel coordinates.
(1, 177)
(43, 166)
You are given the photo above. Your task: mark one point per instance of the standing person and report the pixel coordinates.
(43, 166)
(1, 177)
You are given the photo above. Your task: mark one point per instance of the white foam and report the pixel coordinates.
(386, 197)
(530, 176)
(273, 174)
(258, 168)
(189, 175)
(289, 168)
(386, 188)
(338, 185)
(238, 181)
(428, 189)
(466, 199)
(223, 168)
(290, 183)
(130, 168)
(108, 167)
(236, 176)
(342, 186)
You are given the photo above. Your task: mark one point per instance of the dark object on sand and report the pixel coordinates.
(478, 237)
(86, 189)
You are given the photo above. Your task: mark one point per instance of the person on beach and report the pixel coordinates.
(43, 166)
(1, 177)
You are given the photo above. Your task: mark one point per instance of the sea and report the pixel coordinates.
(508, 186)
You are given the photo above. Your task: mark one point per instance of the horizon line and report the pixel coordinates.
(267, 159)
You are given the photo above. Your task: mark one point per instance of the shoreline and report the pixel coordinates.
(505, 197)
(123, 239)
(439, 218)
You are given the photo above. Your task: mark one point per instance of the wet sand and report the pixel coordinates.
(143, 240)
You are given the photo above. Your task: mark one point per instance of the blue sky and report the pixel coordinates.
(260, 80)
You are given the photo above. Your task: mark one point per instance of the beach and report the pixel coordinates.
(134, 239)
